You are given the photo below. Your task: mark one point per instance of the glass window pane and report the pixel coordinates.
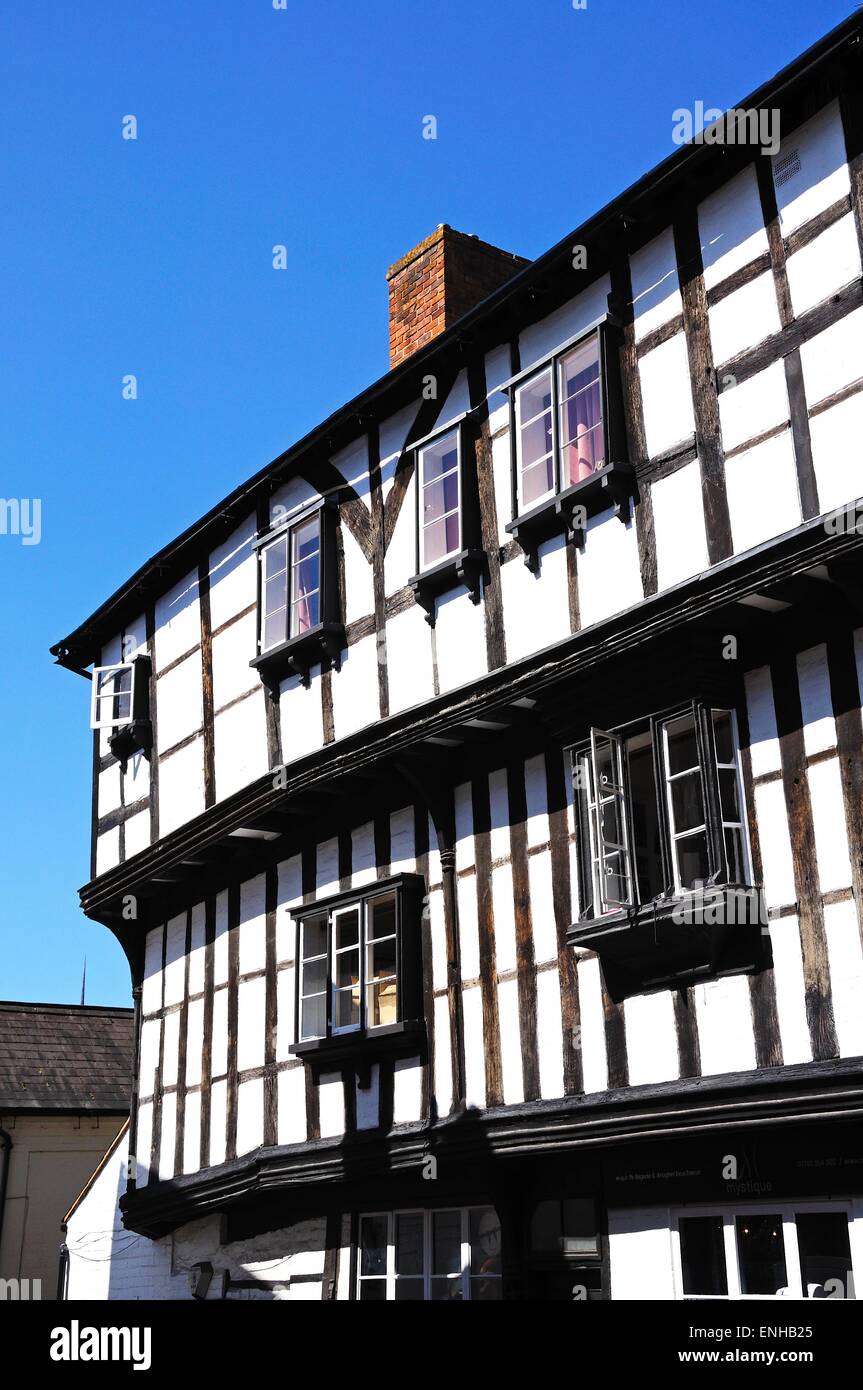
(728, 793)
(305, 577)
(346, 968)
(315, 977)
(446, 1242)
(646, 844)
(409, 1243)
(314, 937)
(580, 1235)
(275, 594)
(313, 1022)
(275, 629)
(734, 856)
(381, 958)
(382, 1004)
(702, 1254)
(537, 482)
(440, 498)
(579, 369)
(382, 916)
(346, 1008)
(687, 802)
(373, 1291)
(692, 860)
(584, 454)
(682, 745)
(440, 457)
(409, 1291)
(486, 1290)
(534, 397)
(446, 1290)
(348, 928)
(724, 736)
(535, 440)
(825, 1255)
(276, 557)
(306, 538)
(305, 614)
(485, 1241)
(607, 771)
(761, 1254)
(440, 539)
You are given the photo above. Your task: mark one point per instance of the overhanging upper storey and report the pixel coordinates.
(663, 406)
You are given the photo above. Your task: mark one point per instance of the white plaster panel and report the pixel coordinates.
(109, 789)
(301, 716)
(250, 1115)
(368, 1099)
(779, 889)
(393, 435)
(402, 848)
(833, 359)
(763, 738)
(828, 818)
(220, 942)
(846, 975)
(181, 786)
(640, 1252)
(460, 636)
(823, 266)
(790, 990)
(331, 1095)
(666, 392)
(407, 1091)
(763, 497)
(192, 1133)
(353, 464)
(442, 1064)
(198, 949)
(151, 1034)
(285, 1013)
(359, 583)
(144, 1144)
(291, 1087)
(240, 735)
(194, 1042)
(168, 1136)
(474, 1047)
(836, 453)
(136, 778)
(725, 1037)
(409, 660)
(501, 463)
(732, 227)
(218, 1121)
(819, 725)
(400, 561)
(179, 697)
(288, 894)
(253, 924)
(823, 178)
(510, 1043)
(651, 1039)
(655, 284)
(327, 868)
(356, 701)
(233, 577)
(678, 516)
(542, 907)
(504, 917)
(465, 856)
(753, 407)
(592, 1036)
(536, 606)
(251, 1016)
(456, 403)
(137, 834)
(540, 339)
(744, 318)
(468, 928)
(175, 960)
(363, 859)
(549, 1035)
(537, 802)
(609, 574)
(498, 792)
(437, 927)
(108, 850)
(233, 649)
(219, 1040)
(171, 1049)
(151, 992)
(178, 621)
(291, 497)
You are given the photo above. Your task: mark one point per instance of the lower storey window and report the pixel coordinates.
(794, 1251)
(429, 1256)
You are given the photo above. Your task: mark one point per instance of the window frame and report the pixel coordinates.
(467, 564)
(587, 832)
(423, 566)
(728, 1212)
(407, 891)
(286, 534)
(136, 690)
(464, 1278)
(323, 641)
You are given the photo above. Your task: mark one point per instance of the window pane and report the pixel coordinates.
(409, 1243)
(314, 1017)
(535, 441)
(382, 1004)
(373, 1291)
(581, 412)
(440, 539)
(734, 856)
(446, 1290)
(486, 1290)
(306, 539)
(409, 1291)
(305, 577)
(346, 968)
(275, 630)
(646, 845)
(315, 977)
(440, 458)
(761, 1253)
(825, 1255)
(348, 928)
(692, 860)
(382, 916)
(682, 745)
(276, 557)
(728, 793)
(535, 397)
(347, 1008)
(702, 1254)
(373, 1244)
(446, 1242)
(687, 802)
(314, 937)
(440, 498)
(537, 482)
(580, 1235)
(616, 887)
(485, 1241)
(724, 736)
(275, 594)
(381, 958)
(305, 614)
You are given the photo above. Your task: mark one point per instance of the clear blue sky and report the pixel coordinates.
(257, 126)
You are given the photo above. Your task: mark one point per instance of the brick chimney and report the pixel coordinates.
(440, 281)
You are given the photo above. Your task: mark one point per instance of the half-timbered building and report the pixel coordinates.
(477, 788)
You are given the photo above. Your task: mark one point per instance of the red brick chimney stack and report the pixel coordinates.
(438, 282)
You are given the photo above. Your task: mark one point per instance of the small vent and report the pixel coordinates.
(786, 167)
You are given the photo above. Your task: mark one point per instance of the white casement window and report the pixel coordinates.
(291, 583)
(440, 511)
(660, 811)
(430, 1256)
(560, 425)
(763, 1251)
(349, 967)
(115, 695)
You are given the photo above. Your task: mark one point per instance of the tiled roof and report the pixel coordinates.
(65, 1057)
